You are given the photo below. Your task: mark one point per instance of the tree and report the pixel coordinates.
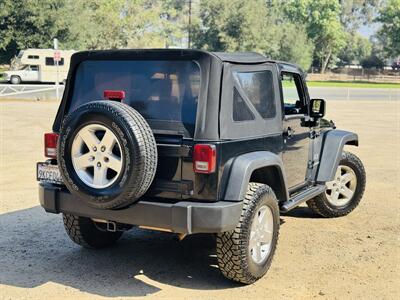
(390, 30)
(357, 49)
(355, 13)
(293, 45)
(28, 24)
(372, 61)
(322, 21)
(251, 26)
(104, 24)
(230, 25)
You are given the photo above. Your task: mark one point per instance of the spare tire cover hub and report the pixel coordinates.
(97, 156)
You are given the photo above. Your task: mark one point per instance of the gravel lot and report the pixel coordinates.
(352, 257)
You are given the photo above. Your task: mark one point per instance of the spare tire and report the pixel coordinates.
(107, 154)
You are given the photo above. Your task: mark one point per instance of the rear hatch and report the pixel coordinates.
(165, 92)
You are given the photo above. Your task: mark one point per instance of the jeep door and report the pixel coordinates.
(295, 132)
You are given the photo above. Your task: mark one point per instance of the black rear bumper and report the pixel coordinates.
(181, 217)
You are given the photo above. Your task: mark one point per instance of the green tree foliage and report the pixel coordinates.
(355, 13)
(299, 31)
(389, 34)
(235, 25)
(372, 62)
(103, 24)
(28, 23)
(322, 19)
(357, 48)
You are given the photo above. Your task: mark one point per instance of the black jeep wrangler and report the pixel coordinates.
(189, 141)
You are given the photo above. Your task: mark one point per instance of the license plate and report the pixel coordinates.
(48, 173)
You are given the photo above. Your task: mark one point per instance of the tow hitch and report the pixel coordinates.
(110, 226)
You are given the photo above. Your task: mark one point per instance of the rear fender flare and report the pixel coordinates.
(238, 172)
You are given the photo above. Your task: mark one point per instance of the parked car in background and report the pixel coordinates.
(396, 65)
(38, 65)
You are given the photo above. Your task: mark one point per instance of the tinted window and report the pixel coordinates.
(50, 61)
(160, 90)
(241, 112)
(259, 89)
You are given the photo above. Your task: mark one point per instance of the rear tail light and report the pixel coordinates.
(50, 145)
(114, 95)
(204, 158)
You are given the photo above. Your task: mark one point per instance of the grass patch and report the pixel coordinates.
(353, 84)
(1, 71)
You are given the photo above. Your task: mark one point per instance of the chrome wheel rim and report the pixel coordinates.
(97, 156)
(340, 191)
(260, 242)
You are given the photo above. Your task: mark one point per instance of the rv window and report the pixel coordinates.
(34, 68)
(33, 56)
(50, 61)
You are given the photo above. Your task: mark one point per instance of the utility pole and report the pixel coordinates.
(56, 59)
(190, 24)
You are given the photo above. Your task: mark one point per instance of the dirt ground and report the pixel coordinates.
(357, 256)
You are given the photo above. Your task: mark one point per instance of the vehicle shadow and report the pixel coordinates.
(34, 250)
(302, 212)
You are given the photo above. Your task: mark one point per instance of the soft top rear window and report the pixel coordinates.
(164, 92)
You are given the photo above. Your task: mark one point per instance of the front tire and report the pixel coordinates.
(245, 253)
(84, 232)
(15, 80)
(344, 193)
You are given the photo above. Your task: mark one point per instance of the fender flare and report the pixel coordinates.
(332, 148)
(238, 171)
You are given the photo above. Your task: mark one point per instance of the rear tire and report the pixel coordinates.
(15, 80)
(84, 232)
(236, 255)
(323, 204)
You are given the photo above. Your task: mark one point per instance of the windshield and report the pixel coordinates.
(162, 91)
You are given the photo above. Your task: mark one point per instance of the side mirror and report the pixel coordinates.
(317, 108)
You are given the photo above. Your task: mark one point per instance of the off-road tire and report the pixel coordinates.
(85, 233)
(233, 254)
(139, 150)
(323, 207)
(15, 80)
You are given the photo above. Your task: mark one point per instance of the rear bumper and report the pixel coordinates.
(181, 217)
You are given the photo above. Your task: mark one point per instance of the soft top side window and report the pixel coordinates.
(258, 87)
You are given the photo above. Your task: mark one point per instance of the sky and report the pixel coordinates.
(368, 30)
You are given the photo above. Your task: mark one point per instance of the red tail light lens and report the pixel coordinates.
(114, 95)
(50, 145)
(204, 158)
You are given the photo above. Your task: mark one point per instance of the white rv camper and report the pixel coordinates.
(38, 65)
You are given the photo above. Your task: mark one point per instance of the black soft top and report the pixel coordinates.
(211, 64)
(165, 54)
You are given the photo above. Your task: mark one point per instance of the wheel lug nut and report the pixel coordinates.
(91, 158)
(106, 159)
(103, 148)
(94, 148)
(99, 164)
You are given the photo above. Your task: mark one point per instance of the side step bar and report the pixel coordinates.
(301, 197)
